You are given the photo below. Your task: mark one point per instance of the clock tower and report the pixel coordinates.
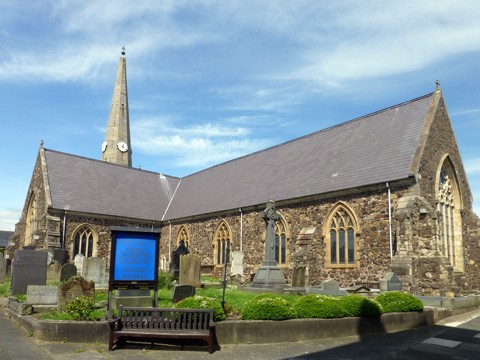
(116, 147)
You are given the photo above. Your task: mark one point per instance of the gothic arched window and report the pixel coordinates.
(222, 244)
(449, 217)
(85, 241)
(183, 235)
(340, 239)
(281, 239)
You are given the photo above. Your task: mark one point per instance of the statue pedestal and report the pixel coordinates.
(268, 277)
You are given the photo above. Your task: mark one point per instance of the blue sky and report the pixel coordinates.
(209, 81)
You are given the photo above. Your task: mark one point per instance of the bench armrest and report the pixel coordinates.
(113, 321)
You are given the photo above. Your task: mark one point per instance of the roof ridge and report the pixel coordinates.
(109, 163)
(315, 133)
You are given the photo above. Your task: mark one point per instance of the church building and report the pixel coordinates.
(383, 192)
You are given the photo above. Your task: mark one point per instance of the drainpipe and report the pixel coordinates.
(64, 232)
(169, 242)
(241, 230)
(390, 220)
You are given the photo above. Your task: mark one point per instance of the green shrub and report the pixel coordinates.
(5, 289)
(319, 306)
(396, 301)
(165, 280)
(203, 302)
(359, 306)
(81, 308)
(267, 307)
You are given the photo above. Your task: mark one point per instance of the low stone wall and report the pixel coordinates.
(241, 331)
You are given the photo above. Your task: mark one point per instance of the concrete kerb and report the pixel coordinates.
(245, 332)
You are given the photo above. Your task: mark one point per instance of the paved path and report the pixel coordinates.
(455, 338)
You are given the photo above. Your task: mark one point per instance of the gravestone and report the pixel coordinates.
(42, 295)
(96, 271)
(269, 275)
(298, 276)
(60, 255)
(53, 271)
(132, 297)
(175, 264)
(29, 268)
(237, 264)
(79, 262)
(190, 270)
(391, 282)
(3, 268)
(72, 289)
(181, 292)
(330, 285)
(67, 271)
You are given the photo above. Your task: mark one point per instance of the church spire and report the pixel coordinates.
(116, 147)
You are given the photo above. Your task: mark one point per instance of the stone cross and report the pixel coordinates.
(270, 216)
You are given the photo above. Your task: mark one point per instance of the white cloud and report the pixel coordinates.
(8, 218)
(193, 146)
(472, 166)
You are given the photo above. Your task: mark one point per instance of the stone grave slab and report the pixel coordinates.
(67, 271)
(79, 262)
(298, 276)
(181, 292)
(330, 285)
(29, 268)
(237, 264)
(190, 270)
(53, 271)
(96, 271)
(72, 289)
(391, 282)
(42, 295)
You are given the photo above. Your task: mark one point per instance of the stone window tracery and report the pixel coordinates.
(84, 241)
(31, 220)
(222, 243)
(449, 218)
(340, 238)
(281, 242)
(183, 235)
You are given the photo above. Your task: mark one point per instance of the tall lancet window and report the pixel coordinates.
(449, 217)
(31, 220)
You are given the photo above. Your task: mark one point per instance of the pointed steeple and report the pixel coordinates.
(116, 147)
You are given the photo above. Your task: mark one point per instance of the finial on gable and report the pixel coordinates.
(123, 50)
(41, 143)
(438, 85)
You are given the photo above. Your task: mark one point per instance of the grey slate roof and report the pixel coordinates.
(369, 150)
(4, 236)
(92, 186)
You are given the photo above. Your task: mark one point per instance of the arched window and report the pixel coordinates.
(183, 235)
(222, 244)
(449, 217)
(340, 239)
(281, 239)
(85, 241)
(31, 220)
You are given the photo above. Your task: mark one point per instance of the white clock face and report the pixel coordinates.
(123, 147)
(104, 146)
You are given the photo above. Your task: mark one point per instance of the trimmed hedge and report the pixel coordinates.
(359, 306)
(267, 307)
(396, 301)
(203, 302)
(319, 306)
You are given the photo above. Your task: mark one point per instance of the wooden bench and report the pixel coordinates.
(152, 323)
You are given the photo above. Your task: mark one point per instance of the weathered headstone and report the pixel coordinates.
(67, 271)
(175, 264)
(60, 255)
(72, 289)
(190, 270)
(79, 262)
(237, 264)
(269, 275)
(391, 282)
(42, 295)
(96, 271)
(298, 276)
(330, 285)
(49, 257)
(181, 292)
(3, 268)
(29, 268)
(53, 271)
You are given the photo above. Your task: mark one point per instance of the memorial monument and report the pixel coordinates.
(269, 275)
